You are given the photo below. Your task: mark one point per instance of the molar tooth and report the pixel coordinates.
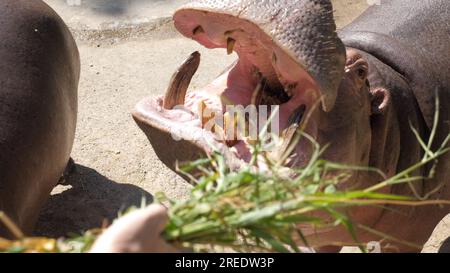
(230, 45)
(288, 92)
(289, 89)
(179, 83)
(198, 30)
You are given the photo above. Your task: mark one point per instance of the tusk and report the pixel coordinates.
(257, 95)
(289, 135)
(297, 116)
(176, 93)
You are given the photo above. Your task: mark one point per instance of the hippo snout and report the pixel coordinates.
(290, 58)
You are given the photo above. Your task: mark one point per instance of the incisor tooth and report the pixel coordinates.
(201, 109)
(230, 45)
(230, 125)
(179, 83)
(205, 115)
(249, 138)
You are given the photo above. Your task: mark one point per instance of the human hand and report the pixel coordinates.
(137, 232)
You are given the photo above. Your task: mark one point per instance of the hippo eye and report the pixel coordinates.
(362, 72)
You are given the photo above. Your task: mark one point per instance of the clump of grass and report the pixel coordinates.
(260, 210)
(250, 210)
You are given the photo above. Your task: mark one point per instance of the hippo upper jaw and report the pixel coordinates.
(226, 115)
(282, 38)
(290, 57)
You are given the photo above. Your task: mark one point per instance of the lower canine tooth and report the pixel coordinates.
(230, 45)
(257, 94)
(176, 92)
(290, 134)
(296, 117)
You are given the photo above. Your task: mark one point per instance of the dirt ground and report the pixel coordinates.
(129, 50)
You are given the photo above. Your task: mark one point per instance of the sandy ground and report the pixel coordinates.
(129, 50)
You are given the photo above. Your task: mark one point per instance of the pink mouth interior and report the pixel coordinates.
(259, 56)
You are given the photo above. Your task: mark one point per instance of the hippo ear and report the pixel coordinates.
(380, 100)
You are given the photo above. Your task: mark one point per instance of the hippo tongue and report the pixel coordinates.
(291, 43)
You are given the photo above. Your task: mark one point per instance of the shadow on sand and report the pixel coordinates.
(89, 199)
(445, 246)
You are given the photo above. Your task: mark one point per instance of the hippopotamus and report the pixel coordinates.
(364, 88)
(39, 73)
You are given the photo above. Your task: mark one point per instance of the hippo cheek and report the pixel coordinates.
(279, 65)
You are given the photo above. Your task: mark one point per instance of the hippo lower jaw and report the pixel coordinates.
(264, 75)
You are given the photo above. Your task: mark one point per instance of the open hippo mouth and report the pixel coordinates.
(289, 56)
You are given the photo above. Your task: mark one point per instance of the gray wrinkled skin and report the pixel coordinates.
(39, 73)
(415, 42)
(305, 29)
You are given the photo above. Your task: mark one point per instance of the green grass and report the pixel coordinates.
(260, 210)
